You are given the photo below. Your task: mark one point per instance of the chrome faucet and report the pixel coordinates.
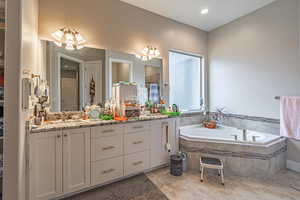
(245, 134)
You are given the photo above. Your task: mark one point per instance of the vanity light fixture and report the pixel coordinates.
(148, 53)
(69, 38)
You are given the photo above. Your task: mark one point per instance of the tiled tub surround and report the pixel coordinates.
(255, 160)
(248, 160)
(266, 125)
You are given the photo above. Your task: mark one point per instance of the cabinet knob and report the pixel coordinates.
(108, 148)
(65, 135)
(58, 136)
(137, 163)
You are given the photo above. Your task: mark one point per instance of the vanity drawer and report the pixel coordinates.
(107, 147)
(135, 163)
(137, 127)
(106, 170)
(109, 130)
(136, 142)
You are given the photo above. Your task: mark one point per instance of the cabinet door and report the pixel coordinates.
(45, 165)
(162, 132)
(76, 159)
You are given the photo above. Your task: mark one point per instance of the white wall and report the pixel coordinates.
(11, 117)
(254, 59)
(21, 53)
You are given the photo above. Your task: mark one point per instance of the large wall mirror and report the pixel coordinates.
(71, 75)
(153, 82)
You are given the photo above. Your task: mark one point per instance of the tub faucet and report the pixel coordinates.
(245, 134)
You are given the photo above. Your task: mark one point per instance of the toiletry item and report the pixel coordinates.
(175, 108)
(85, 116)
(106, 117)
(94, 112)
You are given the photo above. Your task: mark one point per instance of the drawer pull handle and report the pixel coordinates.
(108, 148)
(138, 163)
(108, 171)
(137, 127)
(108, 131)
(138, 142)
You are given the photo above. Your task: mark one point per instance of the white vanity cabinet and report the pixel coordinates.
(45, 165)
(59, 163)
(76, 159)
(68, 161)
(162, 132)
(136, 147)
(107, 153)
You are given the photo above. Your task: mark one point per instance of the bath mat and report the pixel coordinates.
(135, 188)
(295, 186)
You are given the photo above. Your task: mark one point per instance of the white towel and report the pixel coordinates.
(290, 117)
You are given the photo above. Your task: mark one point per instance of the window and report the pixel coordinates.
(185, 73)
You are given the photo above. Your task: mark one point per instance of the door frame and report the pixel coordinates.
(81, 79)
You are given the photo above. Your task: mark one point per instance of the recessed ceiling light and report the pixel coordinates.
(204, 11)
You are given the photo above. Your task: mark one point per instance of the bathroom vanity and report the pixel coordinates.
(71, 153)
(72, 157)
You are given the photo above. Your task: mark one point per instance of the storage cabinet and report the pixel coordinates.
(45, 165)
(135, 163)
(106, 170)
(59, 163)
(76, 159)
(107, 142)
(162, 132)
(136, 142)
(62, 162)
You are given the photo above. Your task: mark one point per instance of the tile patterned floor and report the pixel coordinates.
(282, 186)
(160, 185)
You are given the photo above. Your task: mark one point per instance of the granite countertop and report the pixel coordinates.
(70, 124)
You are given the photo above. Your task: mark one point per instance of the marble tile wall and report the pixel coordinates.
(259, 124)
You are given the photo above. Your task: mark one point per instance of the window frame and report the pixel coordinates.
(203, 77)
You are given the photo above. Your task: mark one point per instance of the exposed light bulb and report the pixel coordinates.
(58, 35)
(69, 46)
(151, 52)
(144, 58)
(69, 37)
(79, 38)
(157, 53)
(58, 43)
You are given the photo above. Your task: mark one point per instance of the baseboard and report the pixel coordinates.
(292, 165)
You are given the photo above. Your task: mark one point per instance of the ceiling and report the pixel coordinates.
(189, 11)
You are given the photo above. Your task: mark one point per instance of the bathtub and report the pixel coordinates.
(261, 157)
(226, 134)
